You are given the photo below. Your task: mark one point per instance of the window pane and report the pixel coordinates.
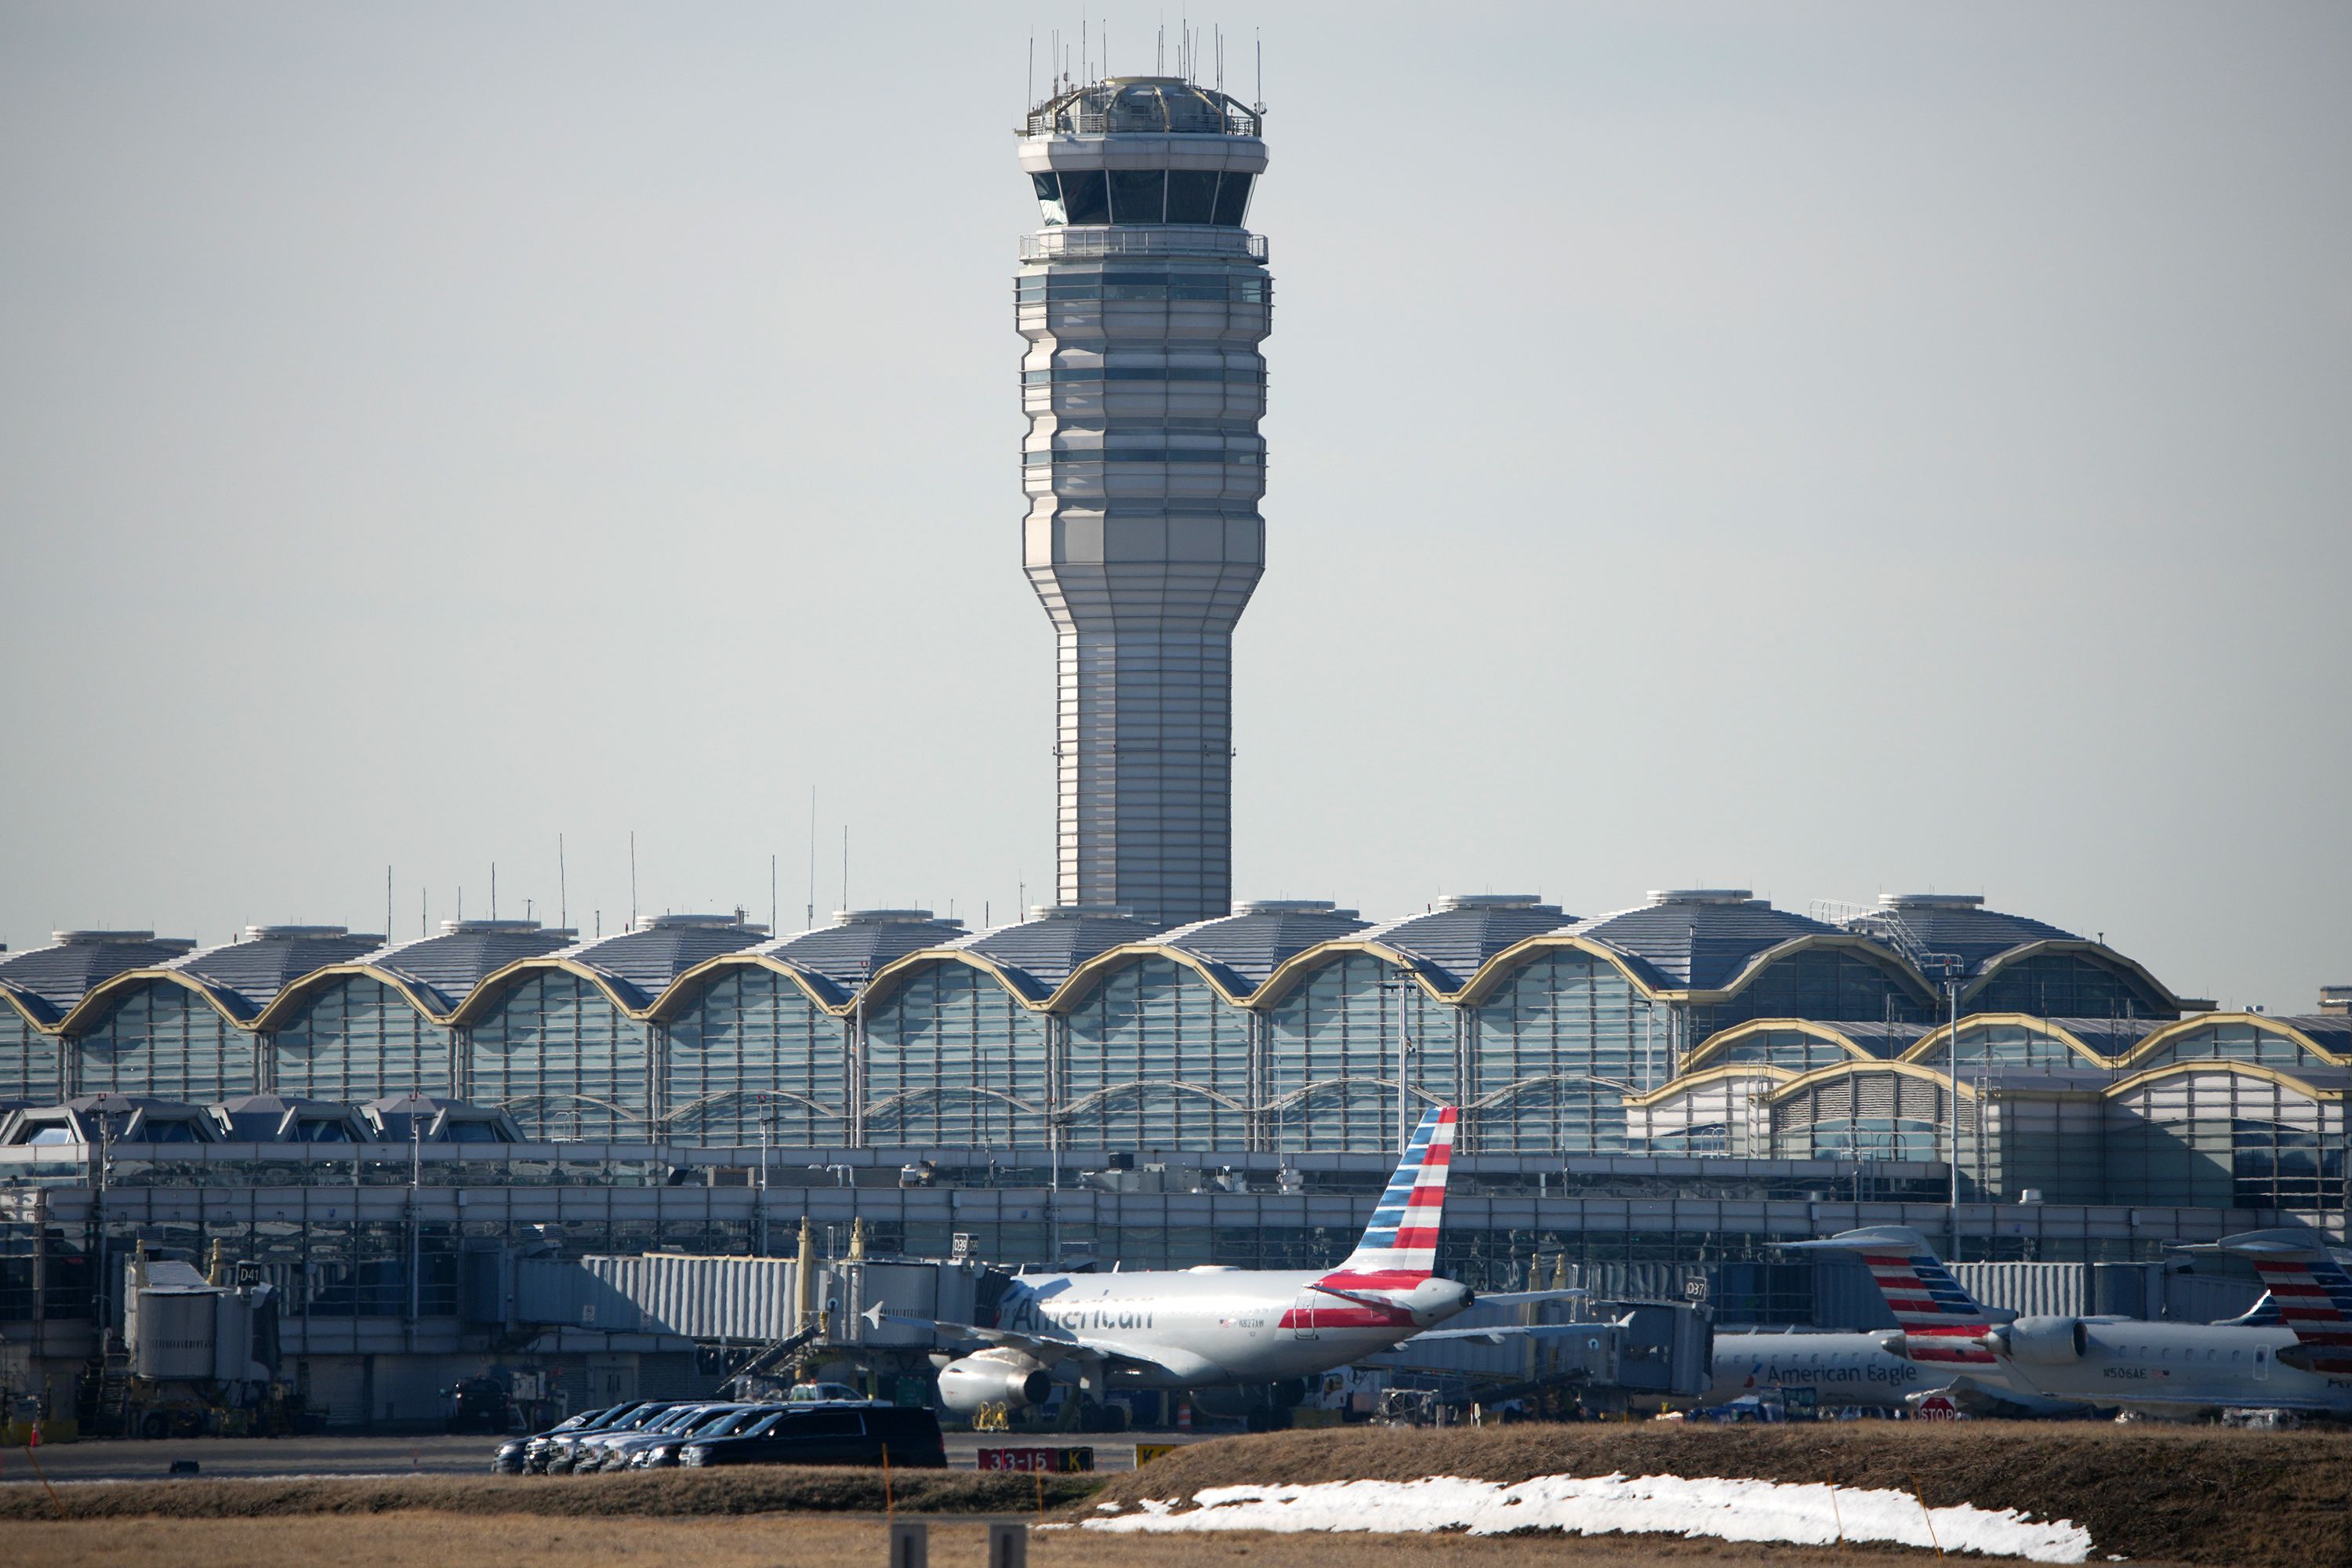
(1137, 195)
(1192, 195)
(1049, 196)
(1086, 198)
(1233, 200)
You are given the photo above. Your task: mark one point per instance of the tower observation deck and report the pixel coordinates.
(1143, 300)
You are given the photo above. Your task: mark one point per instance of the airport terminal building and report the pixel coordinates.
(1144, 1071)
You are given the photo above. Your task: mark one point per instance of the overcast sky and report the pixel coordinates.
(1820, 449)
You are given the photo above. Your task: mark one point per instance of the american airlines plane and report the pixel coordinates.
(2055, 1365)
(1214, 1328)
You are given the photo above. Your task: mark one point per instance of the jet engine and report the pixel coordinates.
(1005, 1377)
(2042, 1342)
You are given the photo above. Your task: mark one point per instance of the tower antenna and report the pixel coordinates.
(562, 888)
(632, 879)
(811, 861)
(1261, 70)
(1029, 88)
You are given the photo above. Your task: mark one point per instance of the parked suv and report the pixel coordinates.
(564, 1452)
(513, 1456)
(815, 1434)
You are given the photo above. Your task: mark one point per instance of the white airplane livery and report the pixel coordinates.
(1214, 1327)
(2059, 1365)
(1866, 1370)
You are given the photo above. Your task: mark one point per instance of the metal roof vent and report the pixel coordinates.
(100, 938)
(696, 922)
(1080, 913)
(1452, 902)
(1930, 900)
(886, 918)
(1701, 896)
(488, 928)
(1292, 907)
(292, 933)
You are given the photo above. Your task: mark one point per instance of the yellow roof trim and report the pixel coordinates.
(1803, 1081)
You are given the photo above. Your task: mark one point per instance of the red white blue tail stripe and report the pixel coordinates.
(1939, 1320)
(1399, 1249)
(2310, 1289)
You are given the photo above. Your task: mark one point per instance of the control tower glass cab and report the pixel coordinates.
(1143, 300)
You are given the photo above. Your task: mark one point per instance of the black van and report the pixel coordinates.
(831, 1434)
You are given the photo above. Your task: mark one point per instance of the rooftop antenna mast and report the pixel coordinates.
(562, 888)
(811, 861)
(1261, 70)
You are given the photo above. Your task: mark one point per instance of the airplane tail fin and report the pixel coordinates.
(1399, 1249)
(1939, 1320)
(2310, 1291)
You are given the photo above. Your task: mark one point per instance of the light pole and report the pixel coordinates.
(1398, 984)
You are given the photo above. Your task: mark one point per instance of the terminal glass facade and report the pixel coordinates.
(163, 1040)
(752, 1058)
(1156, 1060)
(32, 1064)
(952, 1057)
(562, 1060)
(359, 1039)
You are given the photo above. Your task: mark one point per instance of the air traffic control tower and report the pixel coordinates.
(1143, 300)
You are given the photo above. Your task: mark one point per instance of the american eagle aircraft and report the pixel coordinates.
(1229, 1330)
(2297, 1356)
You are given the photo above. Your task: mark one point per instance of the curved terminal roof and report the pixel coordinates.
(1957, 923)
(1243, 948)
(1698, 938)
(249, 973)
(447, 968)
(858, 943)
(641, 961)
(1452, 943)
(51, 979)
(1040, 953)
(1142, 106)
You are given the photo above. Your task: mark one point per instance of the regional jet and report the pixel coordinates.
(1856, 1370)
(2056, 1365)
(1231, 1331)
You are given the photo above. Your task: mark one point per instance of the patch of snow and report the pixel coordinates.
(1802, 1513)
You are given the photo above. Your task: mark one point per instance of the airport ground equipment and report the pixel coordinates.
(196, 1353)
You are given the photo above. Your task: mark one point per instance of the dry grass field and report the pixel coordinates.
(2146, 1490)
(423, 1540)
(2149, 1493)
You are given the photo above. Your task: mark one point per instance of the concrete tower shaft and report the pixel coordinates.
(1143, 300)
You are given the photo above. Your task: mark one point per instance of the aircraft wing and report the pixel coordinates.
(1977, 1398)
(1045, 1350)
(1153, 1363)
(1498, 1332)
(1528, 1298)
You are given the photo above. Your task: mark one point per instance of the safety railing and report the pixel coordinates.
(1172, 240)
